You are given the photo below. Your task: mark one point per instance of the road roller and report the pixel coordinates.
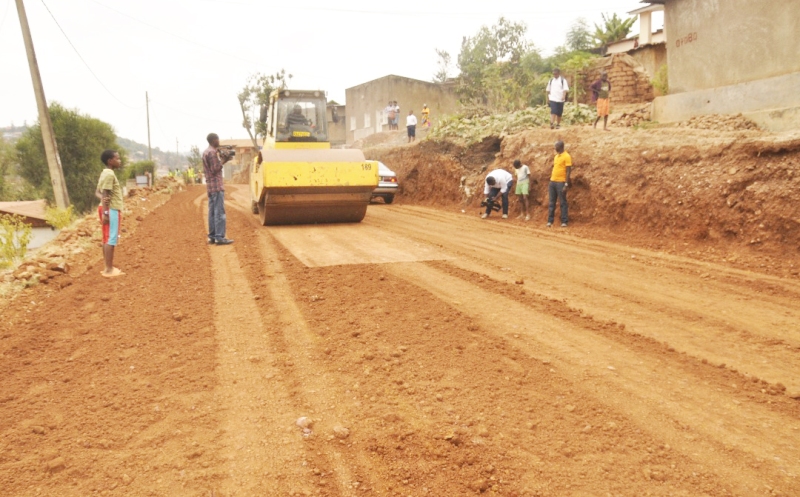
(297, 178)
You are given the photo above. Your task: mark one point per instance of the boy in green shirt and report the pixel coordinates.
(109, 192)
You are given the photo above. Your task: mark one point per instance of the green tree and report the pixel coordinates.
(443, 66)
(579, 37)
(254, 96)
(195, 158)
(497, 67)
(81, 139)
(613, 29)
(6, 168)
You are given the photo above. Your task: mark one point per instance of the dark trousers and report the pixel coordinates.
(556, 191)
(494, 192)
(216, 216)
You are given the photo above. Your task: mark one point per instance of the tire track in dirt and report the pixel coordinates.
(442, 407)
(701, 423)
(261, 448)
(727, 320)
(290, 338)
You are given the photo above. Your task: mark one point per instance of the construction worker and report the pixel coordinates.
(498, 182)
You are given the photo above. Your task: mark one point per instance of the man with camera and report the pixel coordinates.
(498, 183)
(213, 160)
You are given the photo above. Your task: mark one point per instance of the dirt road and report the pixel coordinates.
(435, 353)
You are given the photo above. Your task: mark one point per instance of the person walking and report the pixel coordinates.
(557, 89)
(411, 126)
(559, 183)
(498, 182)
(212, 170)
(600, 90)
(523, 187)
(109, 192)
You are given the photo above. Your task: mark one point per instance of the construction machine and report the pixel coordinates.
(297, 178)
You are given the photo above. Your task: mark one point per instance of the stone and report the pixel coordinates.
(56, 465)
(340, 432)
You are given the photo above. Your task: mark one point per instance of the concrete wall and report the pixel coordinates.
(773, 103)
(651, 57)
(716, 43)
(337, 131)
(366, 102)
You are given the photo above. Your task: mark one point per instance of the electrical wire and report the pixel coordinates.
(250, 61)
(5, 14)
(84, 60)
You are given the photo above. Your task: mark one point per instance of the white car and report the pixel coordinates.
(387, 187)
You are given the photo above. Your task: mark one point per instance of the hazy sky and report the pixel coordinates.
(194, 56)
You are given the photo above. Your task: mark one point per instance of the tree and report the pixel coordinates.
(195, 158)
(138, 168)
(443, 66)
(613, 29)
(81, 139)
(579, 37)
(6, 164)
(495, 67)
(254, 96)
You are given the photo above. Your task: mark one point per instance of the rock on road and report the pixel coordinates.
(421, 352)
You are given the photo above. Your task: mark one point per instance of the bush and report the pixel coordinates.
(59, 218)
(138, 168)
(661, 82)
(15, 236)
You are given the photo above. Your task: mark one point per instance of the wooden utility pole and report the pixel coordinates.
(149, 150)
(48, 136)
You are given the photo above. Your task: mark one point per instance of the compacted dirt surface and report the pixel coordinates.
(421, 352)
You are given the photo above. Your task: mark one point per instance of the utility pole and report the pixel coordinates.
(48, 135)
(149, 150)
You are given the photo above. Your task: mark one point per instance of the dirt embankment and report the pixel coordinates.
(733, 190)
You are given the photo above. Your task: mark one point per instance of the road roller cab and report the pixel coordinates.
(297, 178)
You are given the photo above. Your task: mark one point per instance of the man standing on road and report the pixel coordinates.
(212, 170)
(559, 183)
(411, 126)
(498, 182)
(600, 90)
(109, 192)
(523, 187)
(557, 89)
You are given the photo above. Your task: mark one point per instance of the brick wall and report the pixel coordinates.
(630, 83)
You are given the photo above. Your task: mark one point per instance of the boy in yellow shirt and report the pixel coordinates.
(559, 183)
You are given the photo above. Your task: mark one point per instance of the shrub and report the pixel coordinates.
(59, 218)
(15, 236)
(660, 82)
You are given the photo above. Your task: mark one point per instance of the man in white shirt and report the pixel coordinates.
(557, 89)
(411, 126)
(523, 187)
(390, 115)
(498, 182)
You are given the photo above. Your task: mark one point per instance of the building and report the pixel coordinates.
(33, 212)
(648, 47)
(245, 153)
(730, 57)
(366, 103)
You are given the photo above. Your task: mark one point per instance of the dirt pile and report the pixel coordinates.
(58, 262)
(661, 185)
(633, 118)
(719, 122)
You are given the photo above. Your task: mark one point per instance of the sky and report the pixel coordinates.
(194, 56)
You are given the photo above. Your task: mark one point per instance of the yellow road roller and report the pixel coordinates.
(297, 178)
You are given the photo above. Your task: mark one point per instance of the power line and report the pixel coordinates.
(172, 34)
(5, 14)
(84, 60)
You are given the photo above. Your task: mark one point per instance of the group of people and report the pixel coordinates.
(557, 90)
(499, 182)
(411, 122)
(109, 192)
